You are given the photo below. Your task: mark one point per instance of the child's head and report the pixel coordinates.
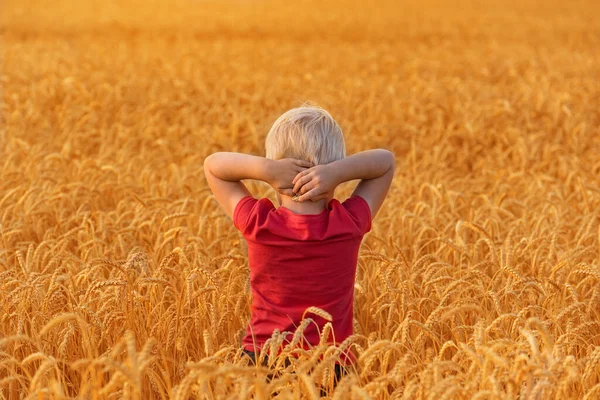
(306, 133)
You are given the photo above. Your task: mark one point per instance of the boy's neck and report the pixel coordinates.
(307, 207)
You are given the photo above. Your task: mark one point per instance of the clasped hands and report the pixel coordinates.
(302, 180)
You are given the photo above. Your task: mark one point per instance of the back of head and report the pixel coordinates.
(306, 133)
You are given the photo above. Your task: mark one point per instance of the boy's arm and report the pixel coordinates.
(225, 171)
(375, 169)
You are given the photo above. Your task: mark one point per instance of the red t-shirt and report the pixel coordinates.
(298, 261)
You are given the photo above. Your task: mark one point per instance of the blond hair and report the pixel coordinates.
(306, 133)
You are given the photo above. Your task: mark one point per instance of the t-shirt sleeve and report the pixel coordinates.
(242, 212)
(360, 211)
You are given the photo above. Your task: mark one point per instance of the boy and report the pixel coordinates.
(304, 252)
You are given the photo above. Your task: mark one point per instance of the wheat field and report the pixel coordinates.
(121, 278)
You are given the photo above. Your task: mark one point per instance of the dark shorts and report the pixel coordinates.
(340, 371)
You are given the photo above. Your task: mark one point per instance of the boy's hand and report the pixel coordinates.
(315, 183)
(283, 172)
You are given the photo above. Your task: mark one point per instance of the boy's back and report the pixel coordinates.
(304, 253)
(298, 261)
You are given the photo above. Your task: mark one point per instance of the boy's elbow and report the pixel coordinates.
(208, 161)
(390, 159)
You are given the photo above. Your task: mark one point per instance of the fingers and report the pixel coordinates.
(301, 182)
(299, 175)
(308, 195)
(287, 192)
(306, 188)
(304, 164)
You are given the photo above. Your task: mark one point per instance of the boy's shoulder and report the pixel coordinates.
(252, 213)
(248, 206)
